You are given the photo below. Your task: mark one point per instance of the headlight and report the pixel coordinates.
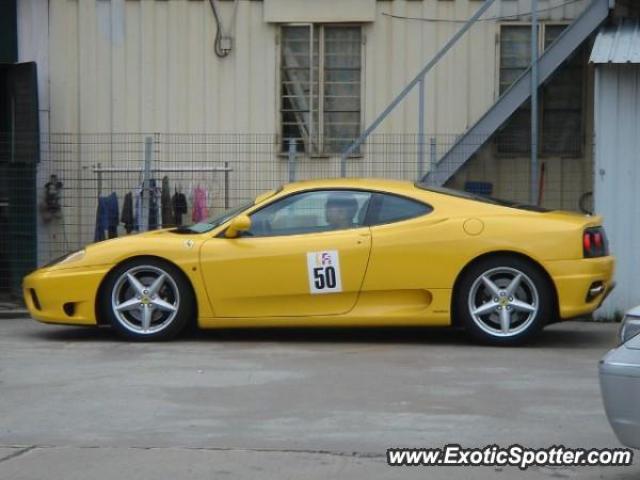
(630, 328)
(69, 257)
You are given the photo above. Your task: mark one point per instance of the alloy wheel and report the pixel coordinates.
(145, 299)
(503, 302)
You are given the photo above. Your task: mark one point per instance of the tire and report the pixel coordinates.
(495, 310)
(142, 306)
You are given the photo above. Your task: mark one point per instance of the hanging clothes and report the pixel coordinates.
(107, 217)
(179, 202)
(52, 206)
(168, 215)
(154, 212)
(154, 197)
(127, 212)
(200, 210)
(137, 209)
(113, 215)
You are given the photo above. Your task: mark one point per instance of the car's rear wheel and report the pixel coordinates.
(503, 300)
(147, 299)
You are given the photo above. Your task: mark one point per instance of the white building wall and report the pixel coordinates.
(149, 66)
(617, 176)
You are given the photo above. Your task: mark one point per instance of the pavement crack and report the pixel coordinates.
(334, 453)
(20, 452)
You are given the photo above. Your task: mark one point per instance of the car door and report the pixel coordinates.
(293, 261)
(406, 249)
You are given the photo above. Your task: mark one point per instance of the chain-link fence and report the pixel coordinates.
(86, 187)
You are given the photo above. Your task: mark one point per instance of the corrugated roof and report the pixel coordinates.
(618, 43)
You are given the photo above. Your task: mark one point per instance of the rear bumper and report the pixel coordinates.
(65, 296)
(574, 279)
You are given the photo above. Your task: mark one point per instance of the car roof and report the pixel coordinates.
(355, 183)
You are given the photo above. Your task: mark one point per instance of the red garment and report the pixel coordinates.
(200, 210)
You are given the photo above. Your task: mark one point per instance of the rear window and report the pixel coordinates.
(387, 208)
(481, 198)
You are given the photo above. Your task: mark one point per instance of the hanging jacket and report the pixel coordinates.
(179, 202)
(107, 217)
(200, 210)
(127, 212)
(168, 216)
(154, 196)
(137, 209)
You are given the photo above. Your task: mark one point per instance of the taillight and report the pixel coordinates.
(594, 243)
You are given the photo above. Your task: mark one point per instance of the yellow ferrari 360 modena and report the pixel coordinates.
(345, 252)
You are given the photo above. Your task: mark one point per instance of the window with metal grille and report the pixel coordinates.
(561, 99)
(562, 103)
(320, 82)
(515, 55)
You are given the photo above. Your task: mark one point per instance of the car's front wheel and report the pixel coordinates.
(503, 300)
(147, 299)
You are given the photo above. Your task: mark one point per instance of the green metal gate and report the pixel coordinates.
(19, 156)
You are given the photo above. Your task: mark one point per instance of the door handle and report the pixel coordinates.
(361, 238)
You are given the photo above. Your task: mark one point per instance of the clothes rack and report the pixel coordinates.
(147, 169)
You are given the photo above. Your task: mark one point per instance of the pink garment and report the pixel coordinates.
(200, 210)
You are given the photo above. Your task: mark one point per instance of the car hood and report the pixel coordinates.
(164, 233)
(165, 243)
(634, 312)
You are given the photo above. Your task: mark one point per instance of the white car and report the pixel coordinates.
(620, 382)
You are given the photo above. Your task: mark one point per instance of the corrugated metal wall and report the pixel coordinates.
(132, 66)
(148, 65)
(617, 175)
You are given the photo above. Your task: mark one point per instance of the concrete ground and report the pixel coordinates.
(81, 404)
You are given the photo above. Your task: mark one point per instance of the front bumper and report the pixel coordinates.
(620, 385)
(573, 280)
(65, 296)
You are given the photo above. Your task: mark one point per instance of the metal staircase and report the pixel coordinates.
(518, 93)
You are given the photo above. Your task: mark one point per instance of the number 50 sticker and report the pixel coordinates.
(324, 272)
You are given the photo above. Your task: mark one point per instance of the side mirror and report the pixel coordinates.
(239, 224)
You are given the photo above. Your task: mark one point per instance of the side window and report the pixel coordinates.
(392, 208)
(309, 212)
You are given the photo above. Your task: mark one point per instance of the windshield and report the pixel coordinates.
(213, 222)
(217, 220)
